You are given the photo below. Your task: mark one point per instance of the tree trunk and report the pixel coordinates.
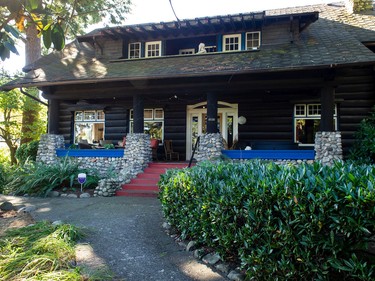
(33, 52)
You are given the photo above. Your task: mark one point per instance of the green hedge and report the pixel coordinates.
(309, 222)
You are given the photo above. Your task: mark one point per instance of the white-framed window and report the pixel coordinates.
(153, 49)
(231, 42)
(153, 125)
(187, 51)
(307, 121)
(252, 40)
(89, 126)
(134, 50)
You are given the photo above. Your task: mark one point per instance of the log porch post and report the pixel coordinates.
(53, 116)
(327, 99)
(138, 114)
(211, 113)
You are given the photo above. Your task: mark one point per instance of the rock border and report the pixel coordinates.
(208, 256)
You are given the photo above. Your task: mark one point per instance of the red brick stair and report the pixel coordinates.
(145, 184)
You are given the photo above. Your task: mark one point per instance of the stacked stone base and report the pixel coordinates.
(328, 147)
(210, 147)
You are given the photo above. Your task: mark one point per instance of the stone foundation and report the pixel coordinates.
(137, 155)
(210, 147)
(328, 147)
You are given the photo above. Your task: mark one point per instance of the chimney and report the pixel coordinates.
(357, 6)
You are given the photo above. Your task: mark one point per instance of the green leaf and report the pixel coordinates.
(10, 47)
(58, 37)
(32, 4)
(4, 53)
(47, 40)
(10, 29)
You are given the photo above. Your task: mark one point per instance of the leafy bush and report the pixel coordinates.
(39, 178)
(27, 151)
(309, 222)
(363, 150)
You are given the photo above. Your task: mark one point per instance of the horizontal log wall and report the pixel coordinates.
(269, 114)
(357, 92)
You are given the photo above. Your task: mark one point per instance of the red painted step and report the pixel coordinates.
(145, 184)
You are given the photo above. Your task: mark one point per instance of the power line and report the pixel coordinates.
(170, 2)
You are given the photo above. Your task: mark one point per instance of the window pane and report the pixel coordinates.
(306, 129)
(148, 114)
(100, 115)
(88, 132)
(89, 116)
(153, 49)
(300, 110)
(252, 40)
(159, 114)
(78, 116)
(134, 50)
(232, 42)
(154, 129)
(313, 109)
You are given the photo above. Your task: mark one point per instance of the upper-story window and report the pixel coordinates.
(153, 49)
(252, 40)
(135, 50)
(232, 42)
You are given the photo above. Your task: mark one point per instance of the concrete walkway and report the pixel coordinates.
(126, 234)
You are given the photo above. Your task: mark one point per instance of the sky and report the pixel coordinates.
(147, 11)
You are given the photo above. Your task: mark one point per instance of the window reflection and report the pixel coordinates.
(89, 126)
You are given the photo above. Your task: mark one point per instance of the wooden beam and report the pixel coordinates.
(327, 101)
(138, 114)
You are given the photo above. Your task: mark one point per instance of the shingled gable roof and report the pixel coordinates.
(332, 41)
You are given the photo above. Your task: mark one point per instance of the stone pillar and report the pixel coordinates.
(137, 151)
(47, 148)
(210, 147)
(328, 147)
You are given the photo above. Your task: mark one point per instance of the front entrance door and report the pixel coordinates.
(227, 120)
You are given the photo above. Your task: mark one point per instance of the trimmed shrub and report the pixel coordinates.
(307, 222)
(27, 151)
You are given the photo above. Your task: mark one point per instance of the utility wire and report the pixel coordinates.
(170, 2)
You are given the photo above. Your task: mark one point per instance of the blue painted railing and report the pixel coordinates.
(90, 152)
(270, 154)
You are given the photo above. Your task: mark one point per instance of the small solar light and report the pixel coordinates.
(81, 179)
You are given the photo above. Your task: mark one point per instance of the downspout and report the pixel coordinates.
(32, 97)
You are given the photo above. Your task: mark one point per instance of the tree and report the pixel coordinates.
(51, 20)
(10, 125)
(54, 20)
(12, 104)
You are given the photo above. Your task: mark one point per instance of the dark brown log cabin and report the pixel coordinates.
(287, 72)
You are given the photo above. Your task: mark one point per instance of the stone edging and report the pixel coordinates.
(210, 258)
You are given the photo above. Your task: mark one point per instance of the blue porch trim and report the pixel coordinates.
(270, 154)
(90, 152)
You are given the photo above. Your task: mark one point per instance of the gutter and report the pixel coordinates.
(32, 97)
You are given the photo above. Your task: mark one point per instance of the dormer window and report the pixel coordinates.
(232, 42)
(252, 40)
(135, 50)
(153, 49)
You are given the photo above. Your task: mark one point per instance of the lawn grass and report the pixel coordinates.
(42, 252)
